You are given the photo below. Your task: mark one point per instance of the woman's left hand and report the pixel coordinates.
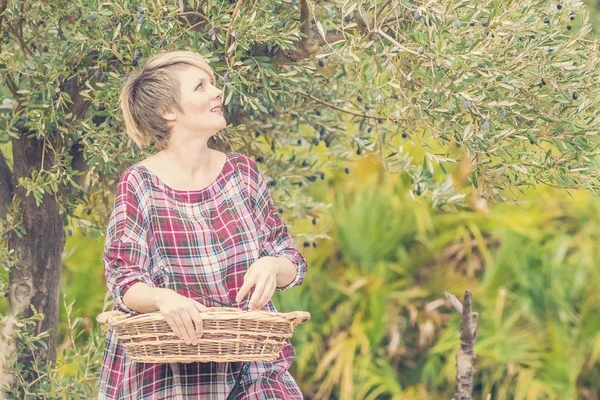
(262, 275)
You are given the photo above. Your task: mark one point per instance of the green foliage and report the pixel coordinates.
(497, 82)
(75, 374)
(83, 279)
(382, 225)
(386, 332)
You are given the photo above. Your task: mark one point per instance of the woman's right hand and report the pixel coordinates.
(182, 314)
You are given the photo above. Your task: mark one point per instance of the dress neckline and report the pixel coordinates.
(195, 195)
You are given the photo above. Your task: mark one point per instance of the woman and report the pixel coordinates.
(191, 220)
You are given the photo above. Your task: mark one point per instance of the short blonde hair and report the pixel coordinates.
(152, 89)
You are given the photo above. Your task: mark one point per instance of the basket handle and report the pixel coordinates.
(105, 316)
(297, 317)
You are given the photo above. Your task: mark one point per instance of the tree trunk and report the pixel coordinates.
(35, 280)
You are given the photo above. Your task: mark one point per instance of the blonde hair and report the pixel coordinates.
(152, 89)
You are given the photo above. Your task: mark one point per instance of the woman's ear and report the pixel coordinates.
(169, 115)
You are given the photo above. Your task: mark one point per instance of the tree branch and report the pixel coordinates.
(19, 33)
(382, 8)
(466, 354)
(194, 18)
(236, 11)
(310, 45)
(3, 4)
(78, 163)
(305, 18)
(308, 95)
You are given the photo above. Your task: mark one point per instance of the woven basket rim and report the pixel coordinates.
(116, 318)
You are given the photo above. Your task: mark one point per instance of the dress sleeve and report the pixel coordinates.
(275, 240)
(125, 251)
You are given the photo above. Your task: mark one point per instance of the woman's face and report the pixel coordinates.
(198, 98)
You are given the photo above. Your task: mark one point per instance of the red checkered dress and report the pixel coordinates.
(202, 239)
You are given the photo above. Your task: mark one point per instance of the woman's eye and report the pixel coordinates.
(198, 86)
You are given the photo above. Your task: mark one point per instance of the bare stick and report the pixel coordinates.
(465, 356)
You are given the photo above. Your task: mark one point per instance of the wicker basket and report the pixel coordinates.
(229, 334)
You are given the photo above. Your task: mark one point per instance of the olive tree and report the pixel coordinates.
(507, 88)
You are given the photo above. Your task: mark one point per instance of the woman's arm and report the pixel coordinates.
(126, 262)
(279, 265)
(143, 298)
(181, 313)
(274, 238)
(286, 271)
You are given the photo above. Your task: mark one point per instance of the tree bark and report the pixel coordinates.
(35, 280)
(7, 187)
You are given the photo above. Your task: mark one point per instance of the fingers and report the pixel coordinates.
(189, 327)
(267, 294)
(183, 316)
(200, 307)
(262, 293)
(258, 290)
(248, 283)
(197, 320)
(183, 326)
(171, 321)
(180, 330)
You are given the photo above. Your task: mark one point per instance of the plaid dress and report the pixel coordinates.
(202, 239)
